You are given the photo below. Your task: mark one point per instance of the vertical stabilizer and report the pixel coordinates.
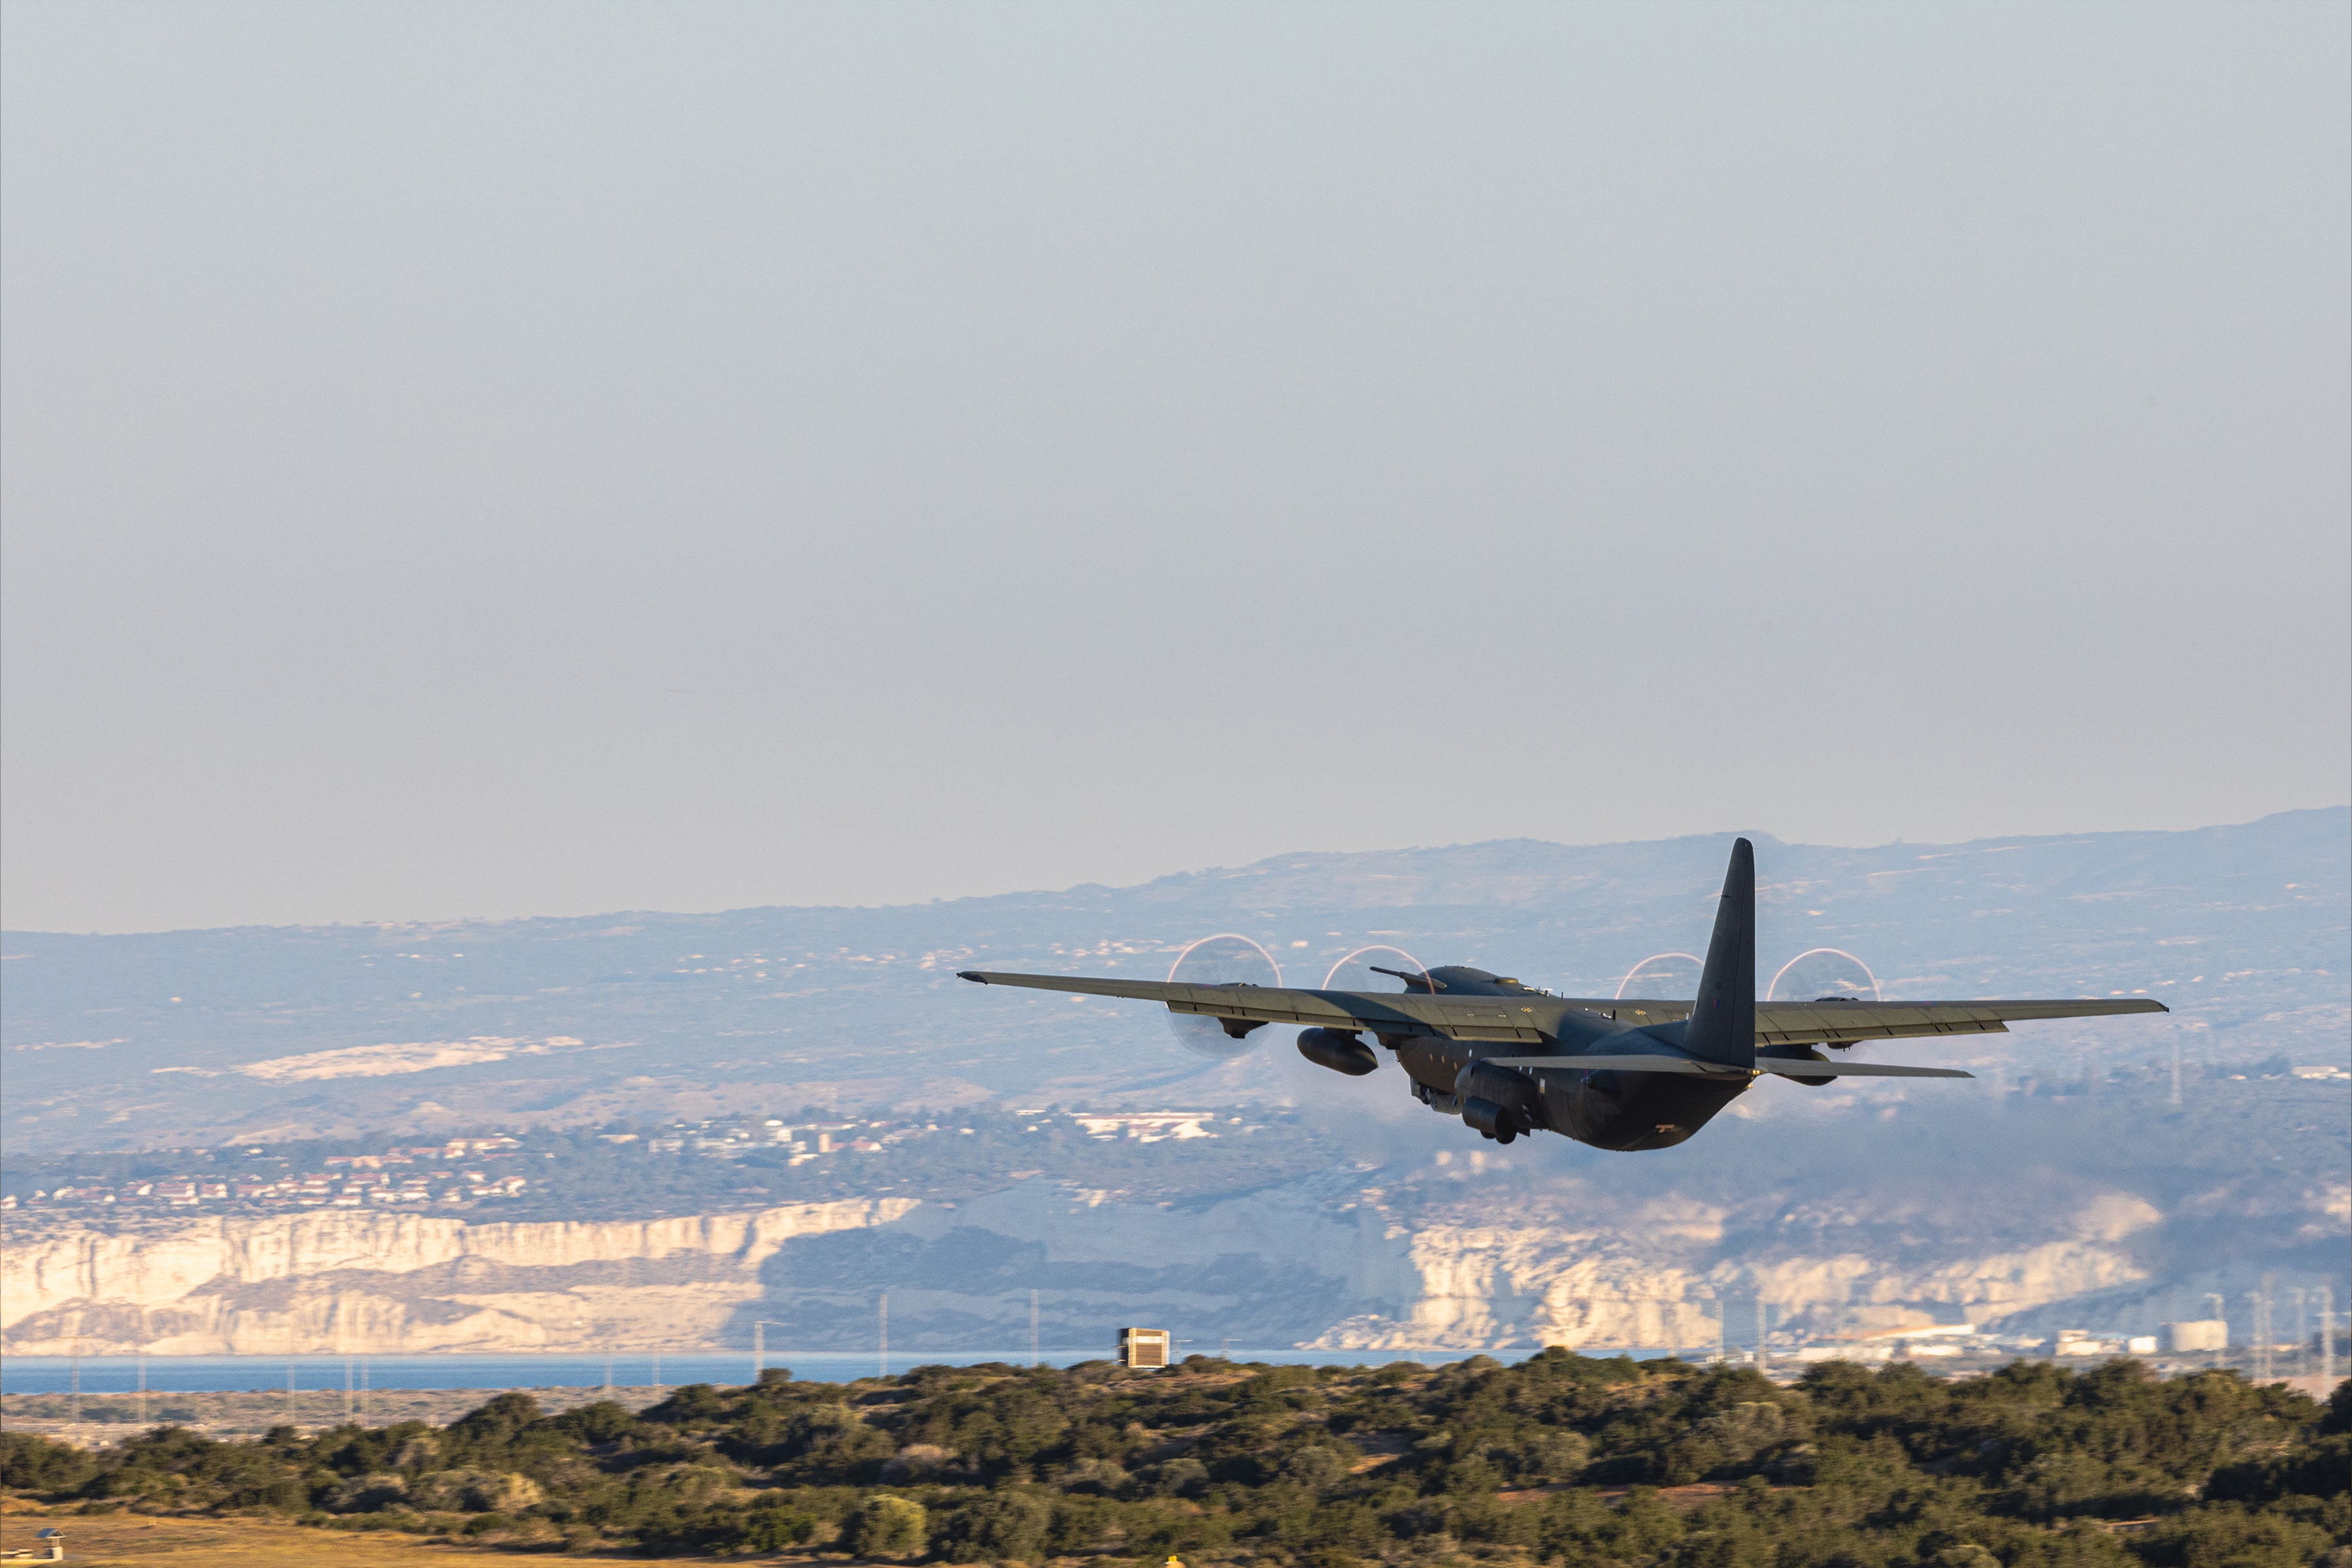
(1722, 1026)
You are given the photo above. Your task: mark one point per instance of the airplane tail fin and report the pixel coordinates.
(1722, 1026)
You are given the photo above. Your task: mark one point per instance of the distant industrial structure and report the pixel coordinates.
(2197, 1334)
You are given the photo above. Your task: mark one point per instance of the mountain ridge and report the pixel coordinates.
(167, 1039)
(1288, 860)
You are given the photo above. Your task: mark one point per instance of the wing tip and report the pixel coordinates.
(971, 975)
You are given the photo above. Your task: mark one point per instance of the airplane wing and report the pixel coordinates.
(1781, 1064)
(1505, 1018)
(1845, 1023)
(1532, 1018)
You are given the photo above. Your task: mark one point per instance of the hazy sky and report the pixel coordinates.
(486, 460)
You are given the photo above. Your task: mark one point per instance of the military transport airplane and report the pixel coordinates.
(1616, 1074)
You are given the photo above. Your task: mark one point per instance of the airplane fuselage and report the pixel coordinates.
(1607, 1109)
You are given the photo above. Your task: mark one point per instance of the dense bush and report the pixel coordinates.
(1560, 1458)
(887, 1526)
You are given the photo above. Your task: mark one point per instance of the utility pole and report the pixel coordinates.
(1033, 1328)
(884, 1311)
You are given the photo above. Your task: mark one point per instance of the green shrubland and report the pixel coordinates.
(1560, 1460)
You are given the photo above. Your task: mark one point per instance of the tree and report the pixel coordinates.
(1004, 1527)
(888, 1526)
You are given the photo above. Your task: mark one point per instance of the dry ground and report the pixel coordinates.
(112, 1417)
(136, 1540)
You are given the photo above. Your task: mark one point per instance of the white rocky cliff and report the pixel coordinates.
(1328, 1264)
(325, 1283)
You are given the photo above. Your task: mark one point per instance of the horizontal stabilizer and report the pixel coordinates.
(1706, 1069)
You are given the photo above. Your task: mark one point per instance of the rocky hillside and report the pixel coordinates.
(2067, 1185)
(1345, 1274)
(1428, 1246)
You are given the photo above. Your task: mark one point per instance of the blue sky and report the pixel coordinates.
(495, 460)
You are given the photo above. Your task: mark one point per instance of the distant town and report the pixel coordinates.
(452, 1174)
(464, 1173)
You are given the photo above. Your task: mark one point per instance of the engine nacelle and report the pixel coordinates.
(1338, 1051)
(1486, 1117)
(1509, 1098)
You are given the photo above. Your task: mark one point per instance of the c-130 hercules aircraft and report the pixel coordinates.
(1617, 1074)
